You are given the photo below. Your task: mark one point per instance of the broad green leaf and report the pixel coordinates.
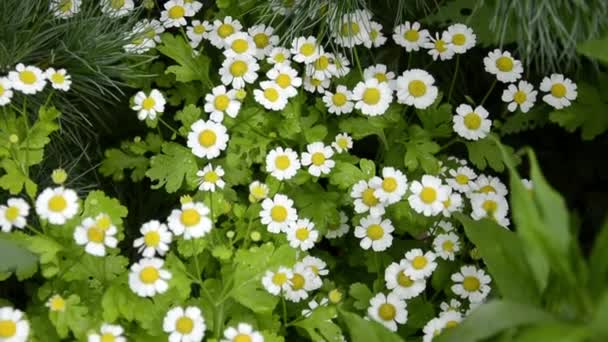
(74, 318)
(117, 161)
(437, 119)
(420, 151)
(316, 133)
(362, 330)
(598, 325)
(316, 204)
(598, 261)
(319, 325)
(368, 167)
(98, 203)
(485, 152)
(14, 258)
(97, 269)
(554, 332)
(419, 312)
(187, 117)
(47, 248)
(171, 168)
(595, 48)
(191, 67)
(14, 179)
(344, 175)
(520, 121)
(362, 295)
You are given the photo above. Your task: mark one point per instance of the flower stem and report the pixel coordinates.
(488, 93)
(454, 77)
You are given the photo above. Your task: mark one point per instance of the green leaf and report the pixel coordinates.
(598, 323)
(420, 312)
(368, 167)
(14, 179)
(117, 161)
(503, 253)
(485, 152)
(595, 48)
(520, 121)
(598, 261)
(492, 318)
(362, 295)
(319, 325)
(362, 330)
(554, 332)
(74, 318)
(420, 151)
(437, 119)
(190, 68)
(15, 258)
(187, 117)
(95, 269)
(316, 133)
(170, 169)
(47, 248)
(98, 203)
(344, 175)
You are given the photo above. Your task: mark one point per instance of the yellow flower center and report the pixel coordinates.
(411, 35)
(279, 57)
(107, 337)
(428, 195)
(117, 4)
(65, 6)
(504, 64)
(95, 234)
(11, 213)
(403, 280)
(271, 94)
(240, 45)
(1, 90)
(339, 99)
(199, 29)
(298, 281)
(349, 29)
(520, 97)
(148, 103)
(307, 49)
(387, 311)
(57, 203)
(447, 203)
(261, 40)
(471, 284)
(448, 246)
(8, 328)
(381, 77)
(278, 213)
(258, 192)
(318, 158)
(416, 88)
(389, 184)
(343, 143)
(184, 325)
(302, 234)
(371, 96)
(211, 176)
(238, 68)
(190, 217)
(322, 63)
(152, 238)
(459, 39)
(490, 207)
(207, 138)
(461, 179)
(315, 82)
(472, 121)
(242, 338)
(558, 90)
(282, 162)
(104, 222)
(177, 12)
(368, 197)
(373, 35)
(451, 324)
(57, 78)
(57, 303)
(221, 102)
(283, 80)
(375, 232)
(440, 46)
(225, 30)
(486, 189)
(279, 278)
(149, 275)
(27, 77)
(419, 262)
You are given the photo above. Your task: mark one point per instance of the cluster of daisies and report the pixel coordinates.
(64, 9)
(30, 80)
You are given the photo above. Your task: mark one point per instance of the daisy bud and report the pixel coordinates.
(137, 139)
(241, 94)
(474, 253)
(13, 138)
(148, 4)
(230, 234)
(335, 296)
(59, 176)
(56, 303)
(255, 236)
(185, 199)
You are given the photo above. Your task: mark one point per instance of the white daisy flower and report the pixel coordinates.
(428, 195)
(463, 179)
(338, 229)
(471, 283)
(388, 310)
(446, 245)
(410, 36)
(440, 47)
(376, 37)
(522, 96)
(322, 68)
(13, 325)
(452, 204)
(108, 332)
(148, 277)
(257, 191)
(487, 184)
(400, 283)
(416, 88)
(286, 78)
(342, 143)
(239, 70)
(305, 49)
(339, 102)
(318, 156)
(442, 227)
(221, 101)
(271, 96)
(6, 94)
(194, 5)
(64, 8)
(282, 163)
(238, 44)
(147, 106)
(375, 232)
(242, 333)
(207, 139)
(432, 329)
(93, 238)
(155, 238)
(451, 318)
(277, 282)
(144, 36)
(57, 205)
(471, 124)
(192, 220)
(342, 64)
(365, 199)
(300, 283)
(116, 8)
(561, 91)
(420, 265)
(379, 72)
(264, 38)
(56, 303)
(184, 324)
(316, 265)
(301, 234)
(278, 213)
(196, 32)
(506, 68)
(490, 205)
(453, 305)
(59, 79)
(391, 187)
(315, 85)
(460, 37)
(223, 29)
(312, 305)
(175, 13)
(210, 178)
(27, 79)
(372, 97)
(14, 214)
(278, 55)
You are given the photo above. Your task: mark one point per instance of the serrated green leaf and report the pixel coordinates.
(520, 121)
(98, 203)
(344, 175)
(187, 117)
(191, 67)
(15, 258)
(15, 180)
(420, 151)
(485, 153)
(437, 119)
(319, 325)
(316, 133)
(362, 295)
(170, 169)
(116, 162)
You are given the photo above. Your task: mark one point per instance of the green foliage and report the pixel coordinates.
(595, 48)
(16, 259)
(175, 165)
(189, 68)
(362, 330)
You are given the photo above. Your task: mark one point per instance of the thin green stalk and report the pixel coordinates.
(454, 78)
(167, 125)
(284, 310)
(488, 93)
